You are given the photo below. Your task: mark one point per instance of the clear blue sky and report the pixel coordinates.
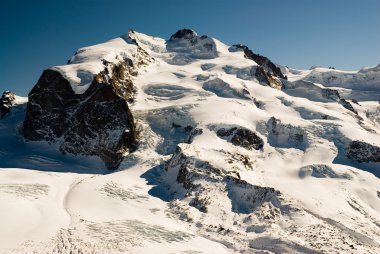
(37, 34)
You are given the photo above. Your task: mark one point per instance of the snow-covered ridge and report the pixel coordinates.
(363, 84)
(226, 162)
(87, 62)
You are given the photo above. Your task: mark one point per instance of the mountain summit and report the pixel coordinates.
(190, 145)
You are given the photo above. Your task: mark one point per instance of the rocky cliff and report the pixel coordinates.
(7, 100)
(96, 122)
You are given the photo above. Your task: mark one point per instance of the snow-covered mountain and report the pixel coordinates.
(189, 145)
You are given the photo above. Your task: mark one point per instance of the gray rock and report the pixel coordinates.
(285, 135)
(193, 133)
(267, 78)
(267, 65)
(347, 105)
(267, 72)
(207, 66)
(97, 122)
(363, 152)
(184, 34)
(7, 100)
(189, 46)
(239, 136)
(331, 94)
(200, 178)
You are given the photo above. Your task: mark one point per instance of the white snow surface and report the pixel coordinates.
(87, 61)
(53, 203)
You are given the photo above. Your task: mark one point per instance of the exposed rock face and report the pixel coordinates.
(266, 78)
(188, 45)
(200, 179)
(262, 61)
(184, 34)
(97, 122)
(7, 100)
(241, 137)
(222, 89)
(347, 105)
(267, 72)
(363, 152)
(331, 94)
(285, 135)
(193, 133)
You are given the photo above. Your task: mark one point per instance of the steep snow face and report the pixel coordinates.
(225, 163)
(87, 62)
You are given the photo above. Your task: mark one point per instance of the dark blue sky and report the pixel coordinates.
(298, 33)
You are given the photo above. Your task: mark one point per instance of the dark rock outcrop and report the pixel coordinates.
(188, 45)
(193, 133)
(266, 78)
(184, 34)
(285, 135)
(97, 122)
(347, 105)
(241, 137)
(266, 72)
(331, 94)
(262, 61)
(7, 100)
(363, 152)
(200, 178)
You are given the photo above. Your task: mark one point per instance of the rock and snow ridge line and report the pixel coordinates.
(105, 73)
(230, 158)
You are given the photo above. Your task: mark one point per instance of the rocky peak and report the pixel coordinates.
(262, 61)
(187, 34)
(7, 100)
(97, 122)
(188, 45)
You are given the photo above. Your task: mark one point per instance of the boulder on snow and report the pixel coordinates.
(7, 100)
(243, 137)
(363, 152)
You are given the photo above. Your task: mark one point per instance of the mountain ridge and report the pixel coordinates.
(228, 155)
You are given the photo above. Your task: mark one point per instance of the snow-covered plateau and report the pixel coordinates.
(189, 145)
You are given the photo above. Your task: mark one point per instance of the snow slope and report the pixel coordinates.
(299, 193)
(363, 85)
